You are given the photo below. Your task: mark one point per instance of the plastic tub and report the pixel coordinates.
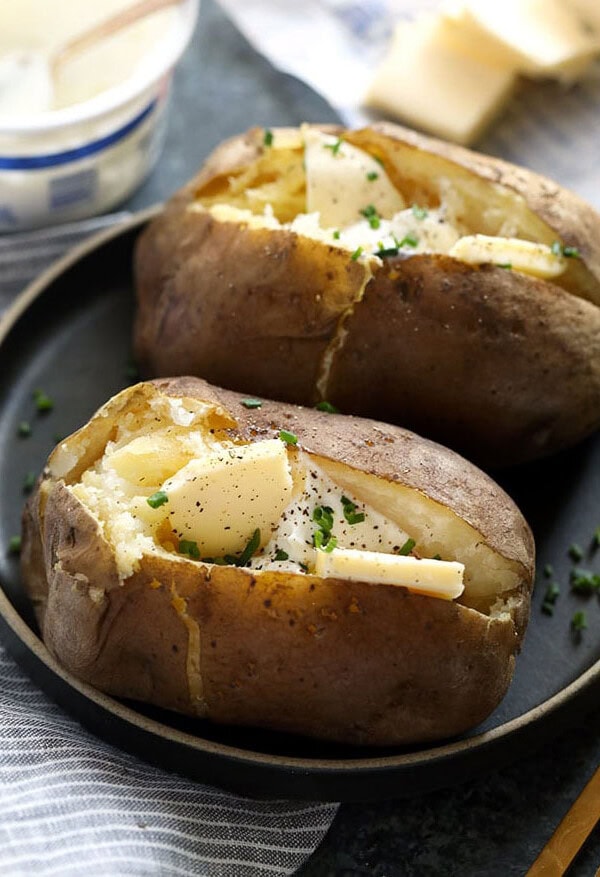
(86, 158)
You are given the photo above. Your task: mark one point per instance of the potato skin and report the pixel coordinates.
(503, 367)
(349, 662)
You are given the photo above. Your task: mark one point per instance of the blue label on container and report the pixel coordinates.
(72, 189)
(36, 162)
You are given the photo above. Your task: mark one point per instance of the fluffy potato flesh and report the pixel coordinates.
(222, 560)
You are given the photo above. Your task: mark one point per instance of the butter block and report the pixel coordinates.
(434, 578)
(538, 260)
(429, 83)
(543, 38)
(220, 499)
(342, 180)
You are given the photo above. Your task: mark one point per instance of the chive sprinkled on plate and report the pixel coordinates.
(24, 429)
(157, 499)
(550, 598)
(579, 621)
(288, 437)
(29, 482)
(252, 403)
(43, 402)
(575, 552)
(548, 571)
(596, 539)
(584, 582)
(14, 545)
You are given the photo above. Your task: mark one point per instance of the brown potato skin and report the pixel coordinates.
(350, 662)
(503, 367)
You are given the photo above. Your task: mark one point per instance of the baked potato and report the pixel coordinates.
(390, 274)
(256, 563)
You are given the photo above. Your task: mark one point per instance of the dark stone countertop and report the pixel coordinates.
(491, 827)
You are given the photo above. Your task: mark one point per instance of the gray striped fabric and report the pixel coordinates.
(72, 805)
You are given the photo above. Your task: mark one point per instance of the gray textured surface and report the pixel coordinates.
(492, 827)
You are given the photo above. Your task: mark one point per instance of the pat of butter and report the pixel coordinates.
(536, 37)
(434, 578)
(220, 499)
(524, 256)
(428, 82)
(342, 180)
(148, 459)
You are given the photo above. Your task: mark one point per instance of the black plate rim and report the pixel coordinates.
(562, 709)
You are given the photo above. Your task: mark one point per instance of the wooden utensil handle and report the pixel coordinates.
(571, 834)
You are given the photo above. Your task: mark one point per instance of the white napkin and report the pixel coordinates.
(72, 805)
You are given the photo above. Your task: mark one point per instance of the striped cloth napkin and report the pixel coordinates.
(73, 805)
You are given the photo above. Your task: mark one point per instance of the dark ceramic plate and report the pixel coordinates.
(68, 334)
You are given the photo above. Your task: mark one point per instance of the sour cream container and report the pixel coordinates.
(83, 159)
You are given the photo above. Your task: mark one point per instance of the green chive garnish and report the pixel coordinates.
(372, 175)
(548, 571)
(327, 406)
(288, 437)
(268, 138)
(323, 516)
(409, 240)
(407, 547)
(575, 552)
(335, 147)
(324, 541)
(350, 513)
(356, 254)
(29, 482)
(336, 235)
(370, 214)
(280, 554)
(190, 548)
(24, 429)
(14, 545)
(157, 499)
(579, 621)
(419, 212)
(42, 401)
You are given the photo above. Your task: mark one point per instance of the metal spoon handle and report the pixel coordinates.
(107, 28)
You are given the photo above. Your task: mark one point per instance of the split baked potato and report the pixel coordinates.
(253, 562)
(388, 273)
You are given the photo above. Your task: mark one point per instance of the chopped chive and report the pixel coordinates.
(548, 571)
(372, 175)
(303, 566)
(350, 513)
(327, 406)
(43, 402)
(419, 212)
(409, 240)
(506, 265)
(437, 557)
(575, 552)
(552, 593)
(559, 249)
(335, 147)
(371, 215)
(252, 403)
(596, 539)
(288, 437)
(407, 547)
(157, 499)
(579, 621)
(250, 549)
(280, 554)
(190, 548)
(268, 138)
(356, 254)
(29, 482)
(584, 582)
(24, 429)
(548, 608)
(336, 235)
(14, 545)
(324, 541)
(382, 252)
(323, 516)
